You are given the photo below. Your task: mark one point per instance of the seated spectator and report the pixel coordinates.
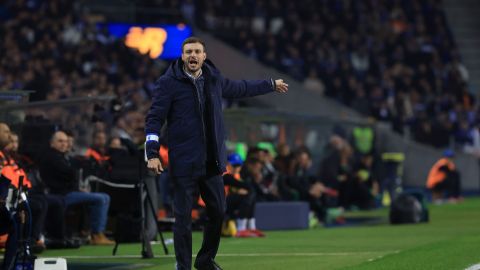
(263, 152)
(98, 149)
(335, 169)
(305, 185)
(61, 179)
(283, 159)
(38, 204)
(48, 210)
(264, 189)
(7, 221)
(240, 199)
(97, 154)
(444, 179)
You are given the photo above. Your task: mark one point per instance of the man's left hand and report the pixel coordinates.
(281, 86)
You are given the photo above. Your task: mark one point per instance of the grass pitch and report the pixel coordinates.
(450, 241)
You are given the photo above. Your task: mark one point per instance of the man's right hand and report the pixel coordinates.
(155, 165)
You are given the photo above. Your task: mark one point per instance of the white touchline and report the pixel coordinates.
(312, 254)
(474, 267)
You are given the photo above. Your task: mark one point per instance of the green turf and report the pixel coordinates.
(450, 241)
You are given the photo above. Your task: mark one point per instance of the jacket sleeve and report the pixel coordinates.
(229, 180)
(245, 88)
(156, 116)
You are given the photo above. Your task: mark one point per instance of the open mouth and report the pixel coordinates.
(193, 62)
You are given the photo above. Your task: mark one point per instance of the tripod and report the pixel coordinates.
(146, 246)
(22, 253)
(146, 204)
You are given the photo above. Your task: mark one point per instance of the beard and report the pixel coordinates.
(193, 65)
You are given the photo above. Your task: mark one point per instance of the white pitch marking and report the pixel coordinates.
(313, 254)
(389, 253)
(474, 267)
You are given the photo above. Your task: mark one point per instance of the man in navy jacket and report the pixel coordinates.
(189, 98)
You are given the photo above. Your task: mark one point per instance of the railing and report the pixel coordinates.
(75, 114)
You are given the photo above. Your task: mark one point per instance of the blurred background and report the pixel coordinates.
(379, 90)
(407, 69)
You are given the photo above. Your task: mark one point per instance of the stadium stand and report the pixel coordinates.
(396, 61)
(57, 51)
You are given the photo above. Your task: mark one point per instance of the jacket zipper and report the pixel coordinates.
(212, 120)
(197, 94)
(215, 152)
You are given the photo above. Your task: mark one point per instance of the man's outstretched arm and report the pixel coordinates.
(250, 88)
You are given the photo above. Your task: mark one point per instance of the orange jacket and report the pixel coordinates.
(436, 176)
(12, 171)
(229, 189)
(163, 155)
(92, 153)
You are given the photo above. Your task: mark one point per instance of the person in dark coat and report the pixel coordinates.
(60, 177)
(189, 98)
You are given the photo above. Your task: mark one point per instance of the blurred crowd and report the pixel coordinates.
(56, 50)
(392, 60)
(396, 61)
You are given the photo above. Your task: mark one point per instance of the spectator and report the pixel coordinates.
(240, 199)
(7, 224)
(283, 159)
(61, 179)
(313, 83)
(48, 210)
(444, 179)
(305, 185)
(335, 170)
(97, 152)
(252, 173)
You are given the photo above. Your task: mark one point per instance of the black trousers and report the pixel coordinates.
(355, 192)
(240, 206)
(48, 213)
(213, 194)
(39, 206)
(451, 185)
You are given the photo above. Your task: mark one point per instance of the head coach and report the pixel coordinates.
(188, 97)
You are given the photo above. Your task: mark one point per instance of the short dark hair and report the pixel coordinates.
(194, 40)
(67, 132)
